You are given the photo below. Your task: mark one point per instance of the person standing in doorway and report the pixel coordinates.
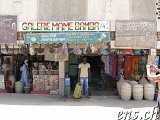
(83, 76)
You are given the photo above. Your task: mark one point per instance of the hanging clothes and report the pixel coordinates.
(127, 66)
(135, 65)
(105, 60)
(24, 76)
(114, 67)
(120, 65)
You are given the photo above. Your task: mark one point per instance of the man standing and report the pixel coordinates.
(83, 75)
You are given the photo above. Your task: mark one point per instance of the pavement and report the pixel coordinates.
(51, 107)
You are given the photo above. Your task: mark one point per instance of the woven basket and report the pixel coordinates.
(35, 72)
(49, 72)
(42, 72)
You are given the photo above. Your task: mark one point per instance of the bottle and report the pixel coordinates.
(67, 86)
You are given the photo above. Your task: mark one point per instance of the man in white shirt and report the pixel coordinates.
(84, 74)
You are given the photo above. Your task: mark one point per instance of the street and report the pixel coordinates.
(43, 107)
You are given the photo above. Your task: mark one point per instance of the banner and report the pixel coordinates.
(8, 29)
(80, 37)
(64, 26)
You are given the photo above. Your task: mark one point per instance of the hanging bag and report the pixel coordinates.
(77, 91)
(77, 50)
(65, 48)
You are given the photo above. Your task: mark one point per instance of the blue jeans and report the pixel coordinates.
(84, 83)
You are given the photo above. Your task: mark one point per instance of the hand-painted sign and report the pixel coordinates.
(8, 29)
(79, 37)
(65, 26)
(136, 34)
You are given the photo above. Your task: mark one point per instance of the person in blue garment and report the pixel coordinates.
(24, 75)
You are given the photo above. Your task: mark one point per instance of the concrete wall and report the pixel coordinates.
(108, 10)
(143, 9)
(62, 10)
(25, 9)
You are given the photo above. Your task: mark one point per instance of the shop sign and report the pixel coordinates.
(78, 37)
(136, 34)
(8, 29)
(65, 26)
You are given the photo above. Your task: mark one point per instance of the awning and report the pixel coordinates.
(69, 37)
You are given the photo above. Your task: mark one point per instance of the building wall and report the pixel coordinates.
(62, 10)
(143, 9)
(25, 9)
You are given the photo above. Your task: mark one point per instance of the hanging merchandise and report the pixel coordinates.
(32, 50)
(51, 50)
(135, 65)
(77, 50)
(65, 48)
(128, 51)
(127, 66)
(105, 60)
(89, 50)
(94, 49)
(137, 52)
(102, 50)
(40, 50)
(142, 65)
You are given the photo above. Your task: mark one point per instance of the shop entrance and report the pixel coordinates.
(100, 84)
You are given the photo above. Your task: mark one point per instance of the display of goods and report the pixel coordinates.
(49, 72)
(32, 50)
(137, 52)
(12, 78)
(119, 84)
(27, 89)
(88, 49)
(133, 82)
(135, 77)
(149, 91)
(128, 51)
(42, 72)
(35, 64)
(56, 72)
(19, 87)
(77, 50)
(42, 67)
(137, 92)
(126, 91)
(127, 66)
(143, 81)
(35, 72)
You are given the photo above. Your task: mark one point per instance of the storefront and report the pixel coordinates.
(56, 44)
